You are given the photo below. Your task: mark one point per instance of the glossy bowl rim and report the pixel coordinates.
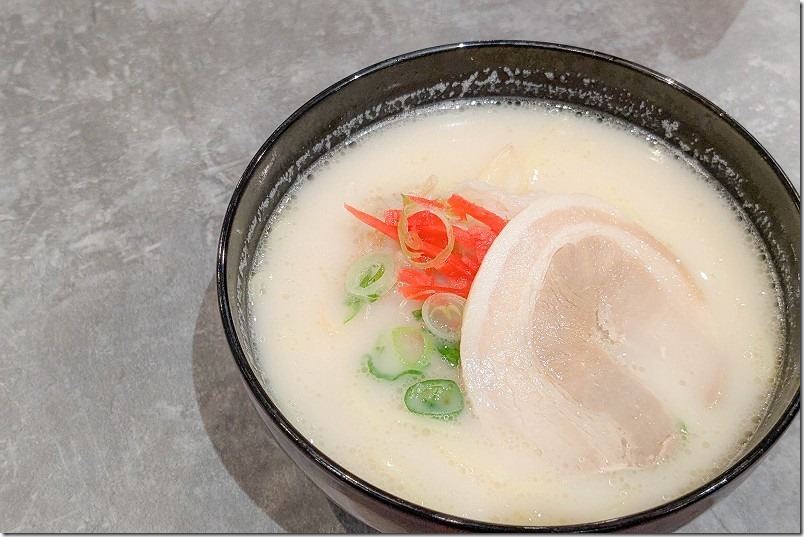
(456, 522)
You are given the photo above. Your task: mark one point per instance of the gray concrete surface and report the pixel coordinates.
(123, 129)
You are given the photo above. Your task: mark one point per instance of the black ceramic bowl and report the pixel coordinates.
(504, 70)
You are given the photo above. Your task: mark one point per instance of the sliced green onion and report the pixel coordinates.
(411, 345)
(682, 428)
(405, 350)
(354, 303)
(438, 398)
(450, 353)
(371, 276)
(387, 367)
(411, 241)
(442, 314)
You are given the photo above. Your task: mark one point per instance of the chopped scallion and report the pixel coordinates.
(450, 353)
(442, 314)
(406, 350)
(369, 278)
(438, 398)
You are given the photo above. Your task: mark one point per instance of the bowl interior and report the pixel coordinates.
(516, 70)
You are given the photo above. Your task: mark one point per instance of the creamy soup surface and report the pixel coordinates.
(313, 361)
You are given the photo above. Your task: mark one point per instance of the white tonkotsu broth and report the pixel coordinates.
(313, 361)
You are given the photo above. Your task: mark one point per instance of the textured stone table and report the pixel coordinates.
(123, 129)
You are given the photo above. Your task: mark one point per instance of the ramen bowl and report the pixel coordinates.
(490, 71)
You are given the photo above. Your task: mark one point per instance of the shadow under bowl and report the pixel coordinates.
(495, 71)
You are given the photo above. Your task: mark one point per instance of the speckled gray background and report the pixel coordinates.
(124, 127)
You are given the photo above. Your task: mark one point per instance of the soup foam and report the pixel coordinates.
(312, 359)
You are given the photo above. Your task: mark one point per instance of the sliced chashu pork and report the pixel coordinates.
(577, 324)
